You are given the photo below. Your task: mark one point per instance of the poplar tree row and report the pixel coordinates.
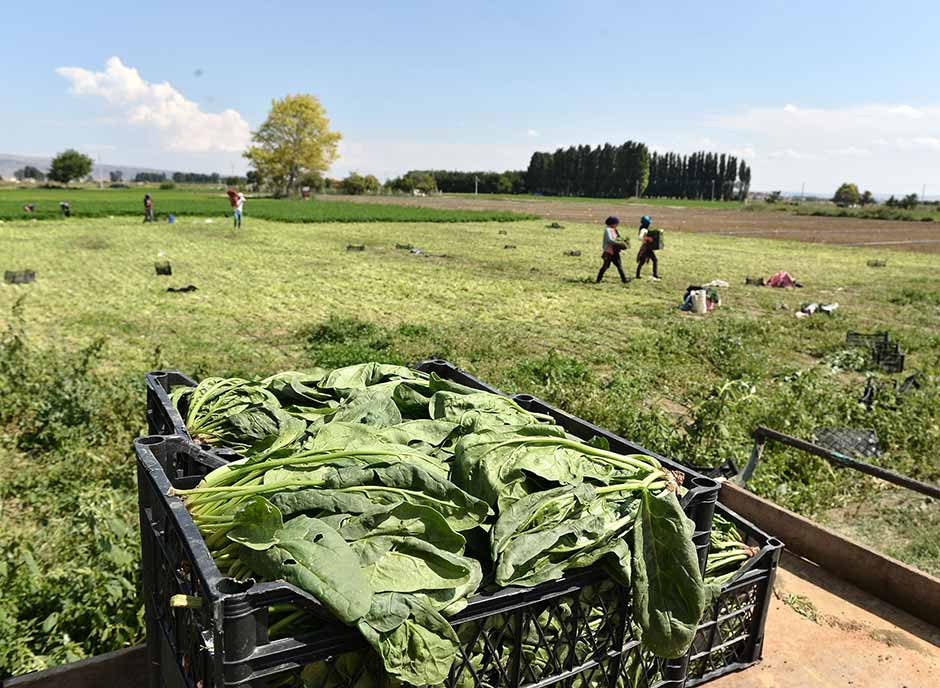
(605, 171)
(610, 171)
(707, 176)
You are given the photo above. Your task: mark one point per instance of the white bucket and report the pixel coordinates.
(699, 302)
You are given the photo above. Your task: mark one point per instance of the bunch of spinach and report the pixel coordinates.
(236, 413)
(727, 553)
(363, 486)
(563, 504)
(375, 539)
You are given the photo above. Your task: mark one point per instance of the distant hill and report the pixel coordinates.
(10, 163)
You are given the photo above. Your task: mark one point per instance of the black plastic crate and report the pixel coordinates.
(185, 639)
(730, 636)
(162, 416)
(656, 235)
(872, 341)
(19, 276)
(891, 361)
(449, 371)
(221, 637)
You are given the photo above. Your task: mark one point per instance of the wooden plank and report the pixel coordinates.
(888, 579)
(126, 668)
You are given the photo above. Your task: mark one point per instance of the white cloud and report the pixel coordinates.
(533, 132)
(864, 122)
(791, 154)
(919, 143)
(746, 152)
(906, 111)
(887, 147)
(183, 126)
(850, 151)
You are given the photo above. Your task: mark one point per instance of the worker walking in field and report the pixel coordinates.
(612, 246)
(148, 208)
(646, 253)
(237, 200)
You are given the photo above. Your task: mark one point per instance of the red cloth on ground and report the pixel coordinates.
(781, 280)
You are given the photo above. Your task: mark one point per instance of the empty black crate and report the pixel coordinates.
(873, 341)
(730, 636)
(19, 276)
(514, 637)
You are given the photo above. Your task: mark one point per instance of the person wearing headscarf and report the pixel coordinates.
(646, 253)
(148, 208)
(612, 246)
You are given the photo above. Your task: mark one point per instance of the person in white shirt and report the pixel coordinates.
(612, 246)
(237, 201)
(237, 213)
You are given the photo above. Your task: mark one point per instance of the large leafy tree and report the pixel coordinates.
(847, 194)
(295, 140)
(69, 165)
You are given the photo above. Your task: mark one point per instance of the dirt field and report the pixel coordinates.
(843, 637)
(876, 234)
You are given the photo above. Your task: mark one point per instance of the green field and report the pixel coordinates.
(75, 344)
(104, 203)
(922, 213)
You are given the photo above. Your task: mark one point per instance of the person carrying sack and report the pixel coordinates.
(646, 252)
(612, 246)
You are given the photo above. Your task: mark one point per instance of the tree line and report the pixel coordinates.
(605, 171)
(701, 175)
(610, 171)
(72, 165)
(452, 181)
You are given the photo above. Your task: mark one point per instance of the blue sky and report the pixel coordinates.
(814, 92)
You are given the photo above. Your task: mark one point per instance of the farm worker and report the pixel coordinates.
(613, 245)
(148, 208)
(237, 200)
(646, 252)
(29, 208)
(65, 208)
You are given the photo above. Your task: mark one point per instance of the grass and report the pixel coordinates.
(922, 213)
(105, 203)
(670, 202)
(279, 296)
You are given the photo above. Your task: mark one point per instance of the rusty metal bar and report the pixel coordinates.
(762, 434)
